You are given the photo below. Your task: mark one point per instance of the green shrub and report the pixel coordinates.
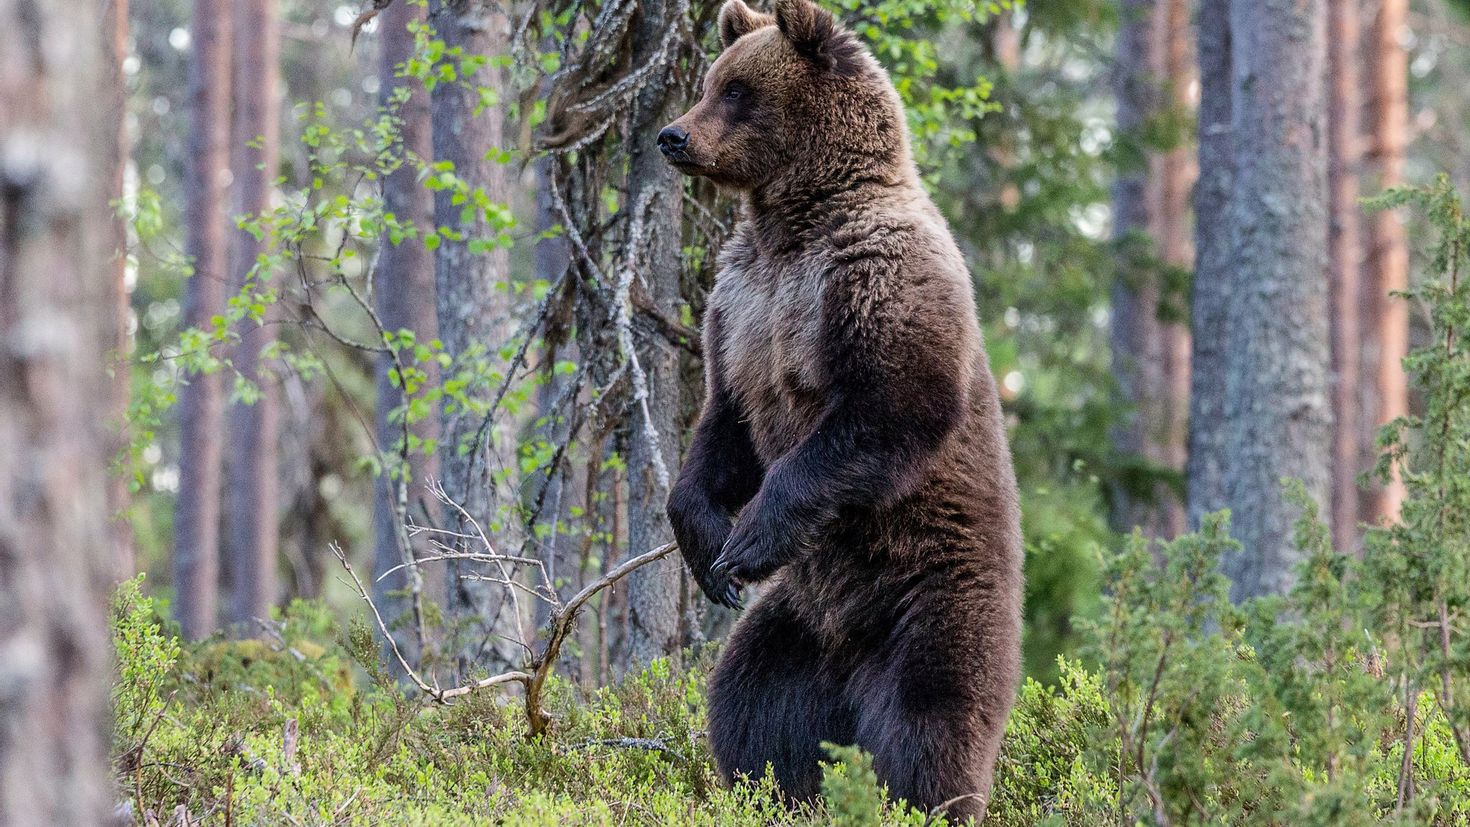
(1340, 703)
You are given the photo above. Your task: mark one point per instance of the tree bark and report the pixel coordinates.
(474, 316)
(1387, 266)
(57, 314)
(1344, 255)
(1210, 290)
(201, 402)
(250, 546)
(405, 298)
(555, 489)
(1278, 404)
(655, 197)
(1150, 349)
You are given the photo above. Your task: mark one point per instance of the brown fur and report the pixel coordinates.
(852, 425)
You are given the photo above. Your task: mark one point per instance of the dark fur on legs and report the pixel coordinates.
(781, 690)
(771, 702)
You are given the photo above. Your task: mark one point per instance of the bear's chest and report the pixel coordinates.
(771, 325)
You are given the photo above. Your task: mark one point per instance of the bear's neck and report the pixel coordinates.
(816, 195)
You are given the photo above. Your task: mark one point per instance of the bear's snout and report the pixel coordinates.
(673, 140)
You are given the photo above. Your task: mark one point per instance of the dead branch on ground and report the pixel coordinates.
(559, 624)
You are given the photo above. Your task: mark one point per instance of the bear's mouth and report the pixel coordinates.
(683, 161)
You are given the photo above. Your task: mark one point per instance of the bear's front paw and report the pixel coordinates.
(701, 530)
(757, 547)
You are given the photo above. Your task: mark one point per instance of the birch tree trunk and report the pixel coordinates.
(250, 546)
(405, 295)
(1150, 349)
(1277, 400)
(656, 212)
(1387, 266)
(1344, 255)
(1211, 286)
(201, 401)
(474, 318)
(57, 313)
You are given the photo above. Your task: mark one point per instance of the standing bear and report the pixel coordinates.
(851, 451)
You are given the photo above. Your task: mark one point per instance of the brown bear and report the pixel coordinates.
(851, 432)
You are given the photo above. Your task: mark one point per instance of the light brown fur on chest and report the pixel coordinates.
(770, 313)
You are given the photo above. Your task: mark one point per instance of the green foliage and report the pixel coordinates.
(1043, 773)
(273, 732)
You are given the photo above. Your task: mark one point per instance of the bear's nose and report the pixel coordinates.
(673, 139)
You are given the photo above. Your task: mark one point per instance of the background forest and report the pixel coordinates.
(352, 351)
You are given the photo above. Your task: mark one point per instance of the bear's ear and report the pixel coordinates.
(737, 19)
(814, 33)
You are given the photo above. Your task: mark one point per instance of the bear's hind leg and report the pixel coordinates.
(932, 711)
(771, 703)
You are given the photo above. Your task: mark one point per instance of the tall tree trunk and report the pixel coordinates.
(57, 306)
(118, 494)
(1151, 349)
(250, 547)
(201, 402)
(474, 317)
(655, 200)
(550, 260)
(405, 296)
(1387, 268)
(1344, 256)
(1211, 287)
(1278, 403)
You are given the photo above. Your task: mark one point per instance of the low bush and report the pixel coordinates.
(1340, 703)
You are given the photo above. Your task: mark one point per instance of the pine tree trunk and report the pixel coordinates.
(1278, 404)
(473, 312)
(656, 199)
(57, 315)
(201, 401)
(249, 548)
(1344, 265)
(1387, 266)
(1151, 349)
(1210, 296)
(405, 295)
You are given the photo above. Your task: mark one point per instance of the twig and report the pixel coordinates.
(649, 744)
(558, 626)
(382, 626)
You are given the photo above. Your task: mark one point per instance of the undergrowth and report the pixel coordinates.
(1340, 703)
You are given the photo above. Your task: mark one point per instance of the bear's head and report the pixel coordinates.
(794, 97)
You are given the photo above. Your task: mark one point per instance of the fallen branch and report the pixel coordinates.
(558, 627)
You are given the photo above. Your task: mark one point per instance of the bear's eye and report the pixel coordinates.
(734, 91)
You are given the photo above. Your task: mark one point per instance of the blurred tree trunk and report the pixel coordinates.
(474, 323)
(1210, 291)
(1386, 336)
(656, 197)
(251, 541)
(1277, 404)
(405, 295)
(118, 494)
(201, 401)
(58, 143)
(1344, 254)
(1150, 343)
